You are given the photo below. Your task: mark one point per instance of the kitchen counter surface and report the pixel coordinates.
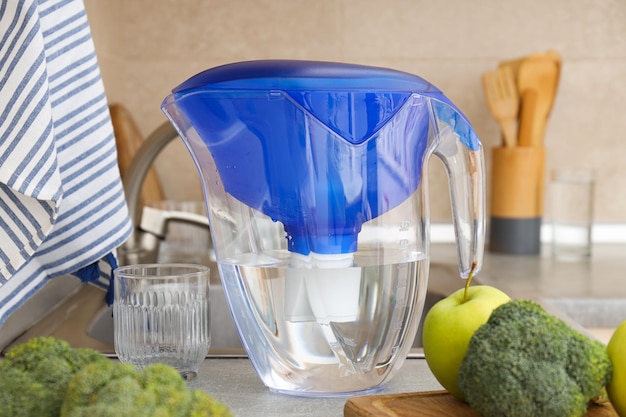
(233, 380)
(540, 277)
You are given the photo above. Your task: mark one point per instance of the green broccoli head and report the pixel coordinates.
(169, 388)
(44, 362)
(45, 377)
(29, 355)
(105, 389)
(526, 362)
(203, 405)
(20, 396)
(113, 389)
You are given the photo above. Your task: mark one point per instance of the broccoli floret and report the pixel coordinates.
(526, 362)
(107, 389)
(118, 390)
(169, 388)
(43, 366)
(203, 405)
(45, 377)
(20, 396)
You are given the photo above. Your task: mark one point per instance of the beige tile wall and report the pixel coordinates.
(146, 47)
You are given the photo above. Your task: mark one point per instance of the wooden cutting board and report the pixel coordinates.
(429, 404)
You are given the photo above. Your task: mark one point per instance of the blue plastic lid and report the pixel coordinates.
(305, 75)
(313, 145)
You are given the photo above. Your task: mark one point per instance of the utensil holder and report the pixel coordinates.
(517, 188)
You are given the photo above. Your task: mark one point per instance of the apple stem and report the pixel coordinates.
(469, 280)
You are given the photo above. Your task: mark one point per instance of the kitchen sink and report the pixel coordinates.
(595, 316)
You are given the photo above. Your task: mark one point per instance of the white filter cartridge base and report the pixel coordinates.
(297, 307)
(333, 288)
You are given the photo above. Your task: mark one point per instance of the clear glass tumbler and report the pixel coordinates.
(572, 213)
(161, 314)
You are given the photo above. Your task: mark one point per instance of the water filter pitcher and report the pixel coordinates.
(315, 181)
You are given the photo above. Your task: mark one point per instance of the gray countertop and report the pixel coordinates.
(537, 277)
(233, 380)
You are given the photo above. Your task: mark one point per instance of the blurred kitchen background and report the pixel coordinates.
(146, 47)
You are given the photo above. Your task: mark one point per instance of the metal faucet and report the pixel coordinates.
(150, 224)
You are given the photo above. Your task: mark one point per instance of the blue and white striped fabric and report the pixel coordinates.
(62, 206)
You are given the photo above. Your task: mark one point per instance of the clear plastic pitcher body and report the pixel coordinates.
(314, 178)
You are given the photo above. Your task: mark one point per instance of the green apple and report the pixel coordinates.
(449, 326)
(616, 388)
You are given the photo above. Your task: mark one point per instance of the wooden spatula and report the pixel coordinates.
(515, 64)
(503, 101)
(537, 81)
(529, 123)
(537, 78)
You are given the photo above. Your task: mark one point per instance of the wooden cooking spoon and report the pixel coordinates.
(537, 82)
(534, 101)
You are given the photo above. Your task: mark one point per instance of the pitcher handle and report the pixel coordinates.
(463, 160)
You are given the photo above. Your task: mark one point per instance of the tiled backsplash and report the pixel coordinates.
(146, 47)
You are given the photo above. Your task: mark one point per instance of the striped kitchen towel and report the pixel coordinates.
(62, 206)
